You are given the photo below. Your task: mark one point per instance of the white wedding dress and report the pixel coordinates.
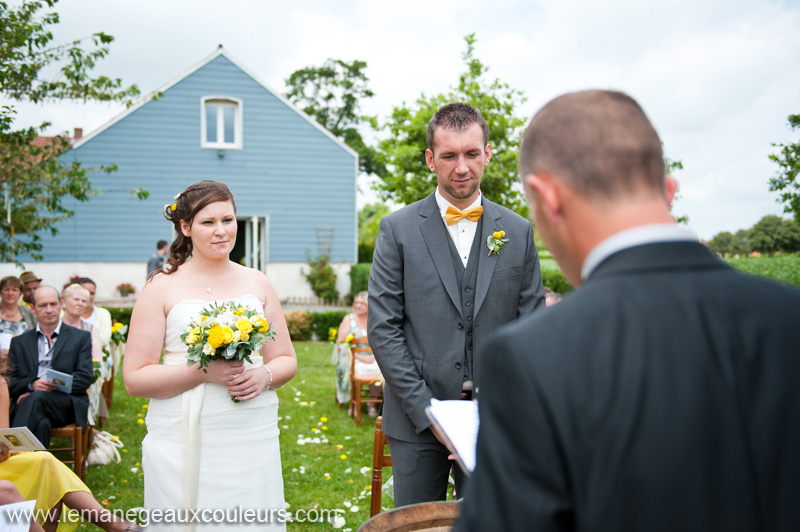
(203, 451)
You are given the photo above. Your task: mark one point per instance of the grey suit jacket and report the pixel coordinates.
(662, 395)
(415, 322)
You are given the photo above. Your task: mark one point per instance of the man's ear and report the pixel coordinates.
(670, 188)
(429, 160)
(548, 190)
(487, 155)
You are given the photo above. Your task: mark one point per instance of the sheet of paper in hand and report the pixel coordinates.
(17, 517)
(63, 381)
(20, 439)
(458, 421)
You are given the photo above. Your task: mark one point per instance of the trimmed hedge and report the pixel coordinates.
(299, 324)
(359, 278)
(322, 322)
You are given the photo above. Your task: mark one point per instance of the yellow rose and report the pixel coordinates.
(244, 325)
(227, 334)
(263, 325)
(191, 339)
(203, 319)
(244, 337)
(216, 336)
(117, 326)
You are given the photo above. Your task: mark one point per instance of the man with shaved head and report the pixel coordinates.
(661, 395)
(35, 402)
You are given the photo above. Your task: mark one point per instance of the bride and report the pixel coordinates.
(202, 450)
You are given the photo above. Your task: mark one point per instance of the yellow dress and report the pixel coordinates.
(41, 476)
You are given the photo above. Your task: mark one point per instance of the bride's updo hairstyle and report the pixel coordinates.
(187, 204)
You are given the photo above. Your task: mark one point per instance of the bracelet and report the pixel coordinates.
(270, 377)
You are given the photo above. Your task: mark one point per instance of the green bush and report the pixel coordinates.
(365, 251)
(299, 324)
(556, 281)
(322, 322)
(122, 315)
(359, 278)
(322, 278)
(782, 269)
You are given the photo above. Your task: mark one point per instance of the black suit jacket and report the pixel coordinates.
(72, 354)
(663, 395)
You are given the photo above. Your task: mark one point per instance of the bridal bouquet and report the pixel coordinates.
(225, 331)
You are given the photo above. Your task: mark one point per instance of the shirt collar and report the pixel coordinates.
(636, 236)
(56, 331)
(444, 204)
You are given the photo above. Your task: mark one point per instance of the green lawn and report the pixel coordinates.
(324, 475)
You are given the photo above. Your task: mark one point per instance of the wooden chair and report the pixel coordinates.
(380, 458)
(358, 382)
(439, 516)
(108, 389)
(78, 446)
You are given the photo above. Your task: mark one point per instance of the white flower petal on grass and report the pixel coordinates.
(348, 504)
(347, 437)
(337, 521)
(364, 470)
(354, 509)
(134, 470)
(348, 470)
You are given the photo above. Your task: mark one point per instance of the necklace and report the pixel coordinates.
(9, 316)
(210, 286)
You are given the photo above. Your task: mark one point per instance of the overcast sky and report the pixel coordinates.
(717, 78)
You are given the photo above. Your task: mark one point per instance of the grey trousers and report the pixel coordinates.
(420, 472)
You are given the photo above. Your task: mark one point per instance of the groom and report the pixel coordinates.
(436, 292)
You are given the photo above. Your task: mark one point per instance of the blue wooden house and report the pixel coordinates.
(214, 121)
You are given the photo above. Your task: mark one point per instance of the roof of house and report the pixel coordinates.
(194, 68)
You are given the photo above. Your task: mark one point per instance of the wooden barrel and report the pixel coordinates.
(428, 517)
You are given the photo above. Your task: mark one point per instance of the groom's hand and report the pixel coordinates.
(222, 372)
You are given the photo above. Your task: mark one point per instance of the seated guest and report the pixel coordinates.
(40, 476)
(97, 316)
(30, 282)
(355, 324)
(35, 402)
(74, 301)
(14, 318)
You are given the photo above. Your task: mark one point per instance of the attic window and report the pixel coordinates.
(221, 123)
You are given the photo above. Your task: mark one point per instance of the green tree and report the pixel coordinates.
(767, 235)
(723, 243)
(369, 217)
(786, 182)
(673, 166)
(34, 179)
(742, 244)
(409, 179)
(332, 95)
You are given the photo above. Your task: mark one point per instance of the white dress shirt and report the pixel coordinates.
(462, 233)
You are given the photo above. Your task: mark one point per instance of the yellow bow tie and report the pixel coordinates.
(452, 215)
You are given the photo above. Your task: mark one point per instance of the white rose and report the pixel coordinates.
(207, 349)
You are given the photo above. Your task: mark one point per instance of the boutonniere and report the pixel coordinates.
(496, 242)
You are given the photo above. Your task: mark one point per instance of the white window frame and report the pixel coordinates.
(237, 123)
